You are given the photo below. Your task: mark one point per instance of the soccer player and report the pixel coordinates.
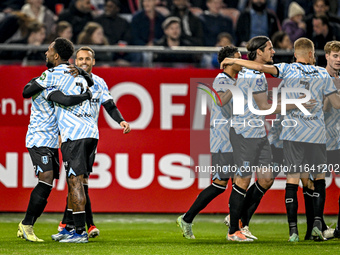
(304, 145)
(332, 116)
(251, 149)
(85, 59)
(78, 130)
(220, 147)
(42, 144)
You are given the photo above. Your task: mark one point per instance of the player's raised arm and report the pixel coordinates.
(250, 65)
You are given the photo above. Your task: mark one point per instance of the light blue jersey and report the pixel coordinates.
(43, 129)
(74, 122)
(311, 128)
(219, 135)
(275, 131)
(100, 94)
(250, 125)
(332, 122)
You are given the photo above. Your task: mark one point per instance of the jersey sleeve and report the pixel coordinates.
(282, 69)
(106, 93)
(258, 83)
(45, 79)
(329, 86)
(220, 84)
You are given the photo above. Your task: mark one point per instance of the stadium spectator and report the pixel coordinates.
(110, 19)
(283, 7)
(36, 10)
(93, 34)
(255, 21)
(171, 38)
(281, 41)
(323, 32)
(214, 23)
(121, 34)
(191, 26)
(78, 14)
(146, 24)
(36, 36)
(320, 7)
(14, 27)
(211, 60)
(294, 26)
(146, 27)
(63, 29)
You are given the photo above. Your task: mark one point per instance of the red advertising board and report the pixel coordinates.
(148, 170)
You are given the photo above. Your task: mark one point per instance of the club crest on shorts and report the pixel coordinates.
(44, 160)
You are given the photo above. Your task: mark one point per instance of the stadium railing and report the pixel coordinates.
(148, 51)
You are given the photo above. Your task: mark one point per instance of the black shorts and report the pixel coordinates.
(45, 159)
(221, 165)
(333, 161)
(301, 157)
(79, 155)
(277, 160)
(250, 154)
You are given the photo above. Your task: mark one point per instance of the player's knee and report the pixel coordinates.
(266, 183)
(242, 182)
(46, 176)
(221, 182)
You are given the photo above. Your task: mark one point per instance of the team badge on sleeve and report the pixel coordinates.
(44, 160)
(259, 82)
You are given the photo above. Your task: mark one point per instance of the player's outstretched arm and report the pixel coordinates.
(250, 65)
(32, 88)
(115, 114)
(69, 100)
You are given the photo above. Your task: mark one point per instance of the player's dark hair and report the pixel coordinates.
(278, 38)
(227, 52)
(257, 42)
(64, 48)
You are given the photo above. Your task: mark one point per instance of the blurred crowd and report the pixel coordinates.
(166, 23)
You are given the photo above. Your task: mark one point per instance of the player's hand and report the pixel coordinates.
(310, 104)
(126, 127)
(227, 61)
(74, 70)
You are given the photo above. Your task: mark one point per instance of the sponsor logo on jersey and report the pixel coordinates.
(43, 76)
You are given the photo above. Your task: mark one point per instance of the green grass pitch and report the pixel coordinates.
(158, 234)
